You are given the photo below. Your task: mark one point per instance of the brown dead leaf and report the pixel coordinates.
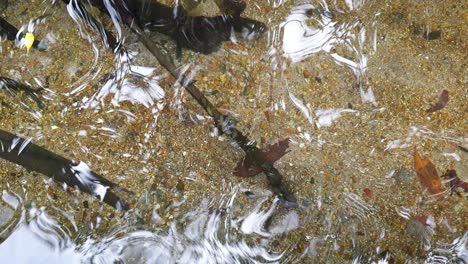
(234, 46)
(269, 116)
(292, 131)
(277, 150)
(247, 168)
(369, 194)
(427, 174)
(443, 100)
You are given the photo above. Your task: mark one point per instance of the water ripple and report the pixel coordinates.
(209, 236)
(310, 29)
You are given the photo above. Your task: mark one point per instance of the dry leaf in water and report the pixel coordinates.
(369, 194)
(443, 100)
(247, 167)
(427, 174)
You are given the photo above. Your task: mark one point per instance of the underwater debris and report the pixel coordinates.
(463, 148)
(14, 86)
(427, 32)
(421, 229)
(433, 35)
(7, 30)
(247, 168)
(427, 174)
(456, 184)
(35, 158)
(369, 194)
(443, 100)
(11, 33)
(251, 150)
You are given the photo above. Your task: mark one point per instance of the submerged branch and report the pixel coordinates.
(227, 125)
(35, 158)
(223, 122)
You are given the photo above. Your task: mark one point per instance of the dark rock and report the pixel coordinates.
(180, 186)
(250, 194)
(426, 32)
(432, 35)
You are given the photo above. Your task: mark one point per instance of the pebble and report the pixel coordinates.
(404, 176)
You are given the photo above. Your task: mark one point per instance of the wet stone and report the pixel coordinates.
(426, 33)
(404, 176)
(250, 194)
(433, 35)
(419, 231)
(312, 180)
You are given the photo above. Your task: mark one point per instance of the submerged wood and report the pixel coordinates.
(32, 157)
(224, 123)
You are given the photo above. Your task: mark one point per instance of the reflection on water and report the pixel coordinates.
(300, 41)
(209, 235)
(103, 107)
(204, 235)
(311, 29)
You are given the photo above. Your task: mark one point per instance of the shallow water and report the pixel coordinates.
(348, 82)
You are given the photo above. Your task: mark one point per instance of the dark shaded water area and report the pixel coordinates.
(106, 158)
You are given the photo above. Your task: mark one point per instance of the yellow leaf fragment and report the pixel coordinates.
(28, 41)
(427, 174)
